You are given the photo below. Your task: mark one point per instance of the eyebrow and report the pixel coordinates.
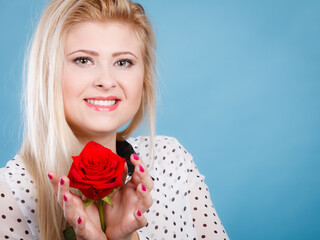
(85, 51)
(123, 53)
(94, 53)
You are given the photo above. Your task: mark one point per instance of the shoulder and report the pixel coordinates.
(164, 147)
(15, 173)
(160, 143)
(13, 168)
(168, 153)
(20, 185)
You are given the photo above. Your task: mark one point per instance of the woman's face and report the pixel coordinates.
(102, 78)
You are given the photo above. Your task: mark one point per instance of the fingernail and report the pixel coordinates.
(79, 220)
(143, 188)
(64, 197)
(141, 168)
(61, 181)
(135, 156)
(49, 176)
(139, 213)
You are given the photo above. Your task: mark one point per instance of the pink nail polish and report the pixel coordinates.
(135, 156)
(64, 197)
(61, 181)
(141, 168)
(49, 176)
(139, 213)
(79, 220)
(143, 188)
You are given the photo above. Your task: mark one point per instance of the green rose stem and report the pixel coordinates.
(106, 199)
(100, 207)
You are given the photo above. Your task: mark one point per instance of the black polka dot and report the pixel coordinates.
(176, 195)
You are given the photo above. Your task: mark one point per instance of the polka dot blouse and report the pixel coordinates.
(182, 208)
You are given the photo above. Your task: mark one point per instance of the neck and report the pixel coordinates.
(108, 141)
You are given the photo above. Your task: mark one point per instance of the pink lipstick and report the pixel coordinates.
(103, 104)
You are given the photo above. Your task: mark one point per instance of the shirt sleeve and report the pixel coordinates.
(13, 223)
(205, 217)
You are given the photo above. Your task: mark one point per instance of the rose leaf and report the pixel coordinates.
(107, 199)
(88, 202)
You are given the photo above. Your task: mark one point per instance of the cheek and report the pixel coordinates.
(71, 90)
(67, 83)
(72, 84)
(135, 89)
(66, 87)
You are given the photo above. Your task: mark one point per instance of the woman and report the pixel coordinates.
(90, 72)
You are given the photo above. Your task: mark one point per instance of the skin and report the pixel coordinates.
(104, 59)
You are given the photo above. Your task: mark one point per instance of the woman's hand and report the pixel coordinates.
(86, 222)
(122, 219)
(129, 204)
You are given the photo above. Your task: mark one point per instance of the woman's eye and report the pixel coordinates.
(124, 63)
(83, 60)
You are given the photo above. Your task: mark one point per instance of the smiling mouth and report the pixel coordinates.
(102, 103)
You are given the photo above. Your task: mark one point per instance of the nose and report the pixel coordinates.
(105, 79)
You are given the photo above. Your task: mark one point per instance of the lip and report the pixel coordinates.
(103, 98)
(103, 108)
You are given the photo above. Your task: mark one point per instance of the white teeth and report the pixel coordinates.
(105, 103)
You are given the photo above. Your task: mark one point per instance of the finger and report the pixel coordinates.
(54, 180)
(145, 200)
(141, 219)
(140, 174)
(72, 207)
(63, 189)
(85, 230)
(80, 228)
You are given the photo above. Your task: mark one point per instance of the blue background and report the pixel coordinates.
(240, 89)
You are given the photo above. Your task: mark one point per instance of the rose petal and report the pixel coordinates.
(96, 171)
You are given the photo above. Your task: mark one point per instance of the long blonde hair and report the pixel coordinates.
(49, 142)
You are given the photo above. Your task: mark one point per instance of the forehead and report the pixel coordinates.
(103, 36)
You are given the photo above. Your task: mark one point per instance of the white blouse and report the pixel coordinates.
(182, 208)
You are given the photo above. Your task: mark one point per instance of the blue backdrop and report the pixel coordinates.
(239, 88)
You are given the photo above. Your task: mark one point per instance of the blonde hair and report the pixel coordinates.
(49, 142)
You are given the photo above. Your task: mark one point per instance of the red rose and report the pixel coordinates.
(96, 171)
